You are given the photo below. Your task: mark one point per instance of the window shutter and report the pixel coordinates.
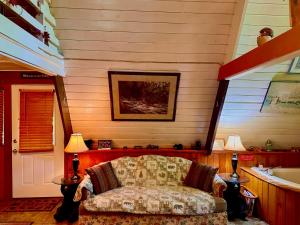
(36, 121)
(1, 117)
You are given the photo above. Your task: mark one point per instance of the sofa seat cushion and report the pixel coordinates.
(178, 200)
(221, 205)
(151, 170)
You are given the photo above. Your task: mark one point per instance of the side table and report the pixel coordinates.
(235, 203)
(69, 209)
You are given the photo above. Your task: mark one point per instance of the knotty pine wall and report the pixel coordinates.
(276, 204)
(145, 35)
(219, 159)
(241, 114)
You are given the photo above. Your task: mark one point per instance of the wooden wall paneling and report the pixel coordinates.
(210, 160)
(237, 22)
(261, 160)
(203, 160)
(291, 212)
(222, 162)
(245, 93)
(229, 164)
(267, 159)
(259, 206)
(276, 205)
(290, 161)
(161, 6)
(164, 37)
(254, 183)
(221, 159)
(93, 157)
(272, 204)
(297, 209)
(265, 201)
(216, 160)
(280, 206)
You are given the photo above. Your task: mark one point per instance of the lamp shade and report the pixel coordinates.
(76, 144)
(218, 144)
(234, 143)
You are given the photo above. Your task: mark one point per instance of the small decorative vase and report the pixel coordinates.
(269, 145)
(263, 39)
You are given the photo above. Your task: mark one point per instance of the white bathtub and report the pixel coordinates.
(289, 177)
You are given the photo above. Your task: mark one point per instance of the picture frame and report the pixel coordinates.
(295, 66)
(282, 97)
(104, 144)
(143, 96)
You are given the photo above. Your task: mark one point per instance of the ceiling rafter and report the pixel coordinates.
(279, 49)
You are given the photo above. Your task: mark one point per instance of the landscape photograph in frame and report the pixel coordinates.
(145, 96)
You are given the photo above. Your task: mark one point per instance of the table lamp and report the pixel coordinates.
(76, 145)
(234, 143)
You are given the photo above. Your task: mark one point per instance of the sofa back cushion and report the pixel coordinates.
(201, 177)
(103, 177)
(151, 170)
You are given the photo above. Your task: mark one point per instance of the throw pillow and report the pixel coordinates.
(200, 176)
(103, 178)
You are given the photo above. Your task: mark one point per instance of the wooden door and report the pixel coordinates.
(33, 171)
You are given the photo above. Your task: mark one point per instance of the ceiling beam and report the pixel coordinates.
(63, 107)
(284, 47)
(214, 121)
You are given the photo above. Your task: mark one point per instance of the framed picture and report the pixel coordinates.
(295, 66)
(144, 96)
(104, 144)
(282, 97)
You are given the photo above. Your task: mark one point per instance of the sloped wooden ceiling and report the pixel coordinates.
(7, 64)
(241, 113)
(191, 37)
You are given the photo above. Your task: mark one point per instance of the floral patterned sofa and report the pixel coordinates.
(152, 192)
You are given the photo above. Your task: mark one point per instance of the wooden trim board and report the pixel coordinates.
(285, 46)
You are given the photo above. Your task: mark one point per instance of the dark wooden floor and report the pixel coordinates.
(45, 218)
(38, 218)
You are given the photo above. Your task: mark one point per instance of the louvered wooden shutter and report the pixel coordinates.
(36, 121)
(1, 117)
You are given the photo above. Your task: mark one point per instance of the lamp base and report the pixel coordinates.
(75, 163)
(234, 175)
(75, 177)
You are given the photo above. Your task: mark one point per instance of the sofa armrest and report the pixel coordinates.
(84, 194)
(218, 186)
(83, 188)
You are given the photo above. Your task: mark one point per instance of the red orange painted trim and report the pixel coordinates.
(284, 47)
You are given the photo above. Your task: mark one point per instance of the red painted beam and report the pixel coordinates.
(285, 46)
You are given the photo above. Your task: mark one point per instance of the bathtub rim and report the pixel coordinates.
(269, 179)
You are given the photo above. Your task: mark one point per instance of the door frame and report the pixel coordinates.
(6, 170)
(40, 184)
(7, 79)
